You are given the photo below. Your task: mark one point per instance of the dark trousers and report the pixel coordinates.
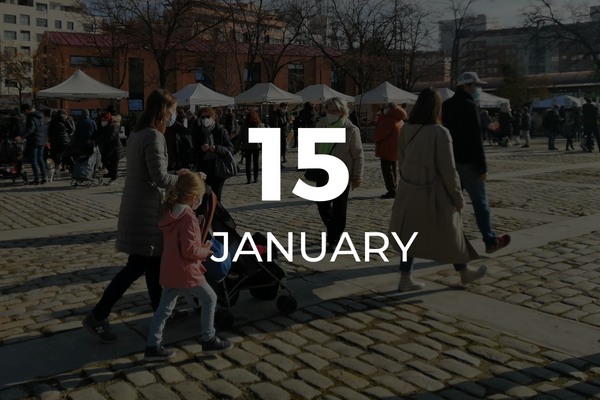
(333, 215)
(57, 154)
(216, 184)
(251, 160)
(389, 169)
(111, 163)
(569, 137)
(590, 132)
(283, 144)
(136, 267)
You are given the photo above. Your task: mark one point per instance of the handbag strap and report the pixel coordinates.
(411, 139)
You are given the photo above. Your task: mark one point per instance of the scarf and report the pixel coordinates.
(207, 133)
(326, 148)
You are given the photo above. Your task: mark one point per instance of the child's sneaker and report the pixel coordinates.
(101, 329)
(158, 353)
(216, 346)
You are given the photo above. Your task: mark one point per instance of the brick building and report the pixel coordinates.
(226, 67)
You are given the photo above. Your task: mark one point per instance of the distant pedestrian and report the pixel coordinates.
(552, 126)
(386, 146)
(569, 133)
(486, 121)
(577, 117)
(461, 117)
(517, 119)
(429, 196)
(112, 149)
(35, 134)
(526, 126)
(59, 136)
(281, 119)
(505, 119)
(251, 150)
(590, 123)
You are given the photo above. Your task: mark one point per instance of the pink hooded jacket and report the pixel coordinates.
(180, 265)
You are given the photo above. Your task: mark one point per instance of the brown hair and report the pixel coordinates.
(428, 108)
(156, 112)
(105, 116)
(209, 111)
(187, 185)
(252, 120)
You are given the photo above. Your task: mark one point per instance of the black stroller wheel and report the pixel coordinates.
(287, 304)
(224, 319)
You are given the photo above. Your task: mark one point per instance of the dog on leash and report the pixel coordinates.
(51, 169)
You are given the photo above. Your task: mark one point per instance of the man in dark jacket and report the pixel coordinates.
(35, 134)
(461, 116)
(59, 135)
(526, 126)
(307, 118)
(85, 134)
(280, 119)
(517, 119)
(590, 123)
(552, 125)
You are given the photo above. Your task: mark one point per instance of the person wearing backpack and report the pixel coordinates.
(59, 135)
(552, 126)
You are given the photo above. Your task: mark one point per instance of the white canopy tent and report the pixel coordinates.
(81, 86)
(487, 100)
(445, 93)
(266, 93)
(318, 94)
(199, 95)
(567, 101)
(385, 93)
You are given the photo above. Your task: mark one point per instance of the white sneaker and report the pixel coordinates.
(112, 182)
(469, 275)
(407, 284)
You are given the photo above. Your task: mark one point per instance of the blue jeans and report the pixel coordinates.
(410, 262)
(551, 138)
(469, 181)
(37, 160)
(167, 303)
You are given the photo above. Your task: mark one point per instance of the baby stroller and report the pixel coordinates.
(11, 160)
(263, 279)
(85, 169)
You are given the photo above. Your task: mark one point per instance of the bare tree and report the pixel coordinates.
(18, 71)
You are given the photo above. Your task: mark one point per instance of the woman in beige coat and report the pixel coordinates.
(429, 196)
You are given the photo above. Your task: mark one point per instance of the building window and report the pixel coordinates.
(39, 37)
(26, 50)
(28, 3)
(57, 24)
(56, 6)
(25, 36)
(24, 20)
(10, 19)
(554, 58)
(70, 26)
(41, 22)
(10, 84)
(85, 61)
(205, 75)
(295, 77)
(10, 35)
(88, 28)
(338, 80)
(251, 74)
(41, 7)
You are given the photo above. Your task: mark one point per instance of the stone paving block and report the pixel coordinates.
(286, 322)
(468, 386)
(447, 339)
(326, 326)
(518, 345)
(458, 368)
(269, 372)
(349, 323)
(351, 304)
(314, 378)
(438, 326)
(558, 393)
(419, 351)
(281, 347)
(532, 370)
(381, 362)
(356, 365)
(139, 376)
(509, 374)
(348, 394)
(396, 385)
(266, 391)
(332, 306)
(300, 388)
(232, 337)
(392, 352)
(418, 379)
(292, 338)
(254, 348)
(565, 358)
(196, 371)
(191, 347)
(430, 370)
(158, 392)
(313, 335)
(381, 393)
(17, 394)
(169, 374)
(395, 329)
(344, 349)
(348, 379)
(191, 391)
(452, 394)
(267, 326)
(223, 389)
(426, 396)
(241, 357)
(575, 315)
(488, 333)
(322, 351)
(99, 375)
(301, 316)
(508, 387)
(479, 339)
(556, 308)
(215, 362)
(432, 344)
(121, 391)
(407, 315)
(523, 356)
(46, 392)
(583, 389)
(320, 311)
(413, 326)
(382, 315)
(356, 339)
(490, 354)
(238, 376)
(88, 394)
(362, 317)
(381, 336)
(252, 332)
(567, 370)
(312, 361)
(69, 380)
(281, 362)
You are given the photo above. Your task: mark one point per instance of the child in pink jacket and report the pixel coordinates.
(181, 269)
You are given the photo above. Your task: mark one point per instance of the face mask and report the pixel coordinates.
(171, 121)
(207, 122)
(477, 93)
(104, 123)
(385, 110)
(284, 110)
(332, 118)
(196, 203)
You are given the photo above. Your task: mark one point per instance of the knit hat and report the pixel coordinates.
(505, 107)
(86, 113)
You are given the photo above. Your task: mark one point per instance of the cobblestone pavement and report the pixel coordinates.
(364, 347)
(360, 347)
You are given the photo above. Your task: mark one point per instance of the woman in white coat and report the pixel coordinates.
(429, 196)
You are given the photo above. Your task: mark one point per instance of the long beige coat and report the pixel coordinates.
(428, 192)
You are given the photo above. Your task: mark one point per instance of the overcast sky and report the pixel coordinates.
(507, 11)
